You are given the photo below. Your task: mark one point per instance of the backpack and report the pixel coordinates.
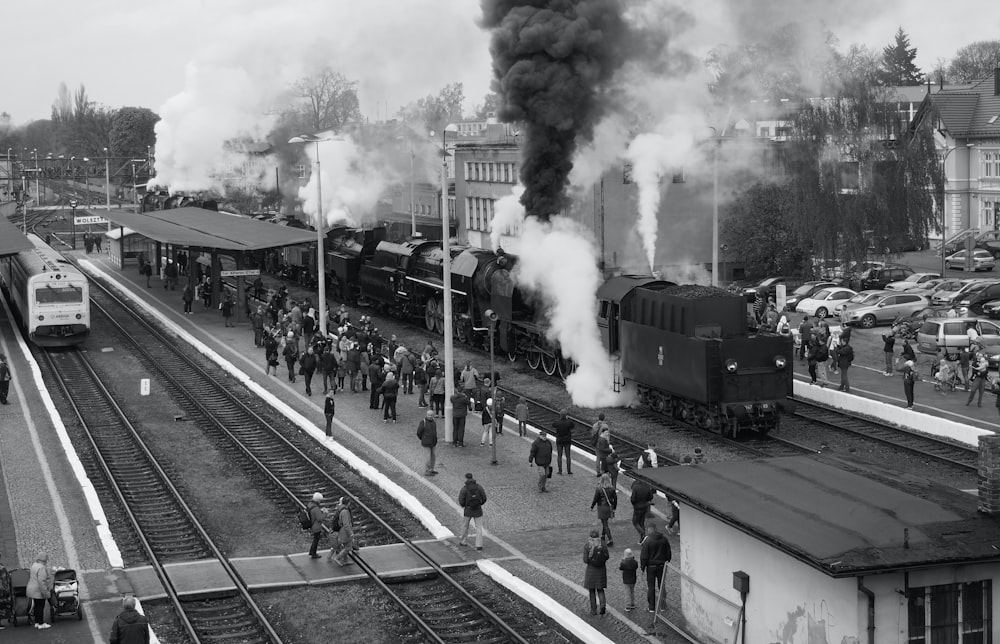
(473, 499)
(335, 525)
(599, 556)
(305, 518)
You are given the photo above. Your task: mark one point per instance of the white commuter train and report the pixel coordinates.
(51, 297)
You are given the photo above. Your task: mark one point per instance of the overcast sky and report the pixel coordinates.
(137, 53)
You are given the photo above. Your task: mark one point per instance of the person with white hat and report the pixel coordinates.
(318, 515)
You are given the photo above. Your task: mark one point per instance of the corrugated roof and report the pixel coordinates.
(210, 229)
(12, 241)
(838, 520)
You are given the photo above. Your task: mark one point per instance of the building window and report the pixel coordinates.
(991, 214)
(467, 173)
(468, 213)
(991, 165)
(493, 169)
(950, 614)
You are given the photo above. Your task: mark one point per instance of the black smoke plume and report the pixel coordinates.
(552, 63)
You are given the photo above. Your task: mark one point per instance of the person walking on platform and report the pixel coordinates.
(642, 499)
(980, 371)
(39, 588)
(329, 409)
(521, 414)
(459, 412)
(428, 434)
(291, 354)
(170, 273)
(343, 528)
(390, 392)
(257, 323)
(187, 296)
(376, 376)
(472, 498)
(227, 308)
(629, 566)
(318, 516)
(366, 362)
(205, 290)
(492, 410)
(469, 378)
(5, 379)
(845, 356)
(353, 365)
(131, 626)
(328, 365)
(595, 579)
(595, 435)
(606, 501)
(604, 450)
(307, 367)
(437, 393)
(270, 353)
(909, 379)
(420, 380)
(541, 455)
(407, 364)
(888, 346)
(564, 441)
(653, 558)
(964, 363)
(147, 270)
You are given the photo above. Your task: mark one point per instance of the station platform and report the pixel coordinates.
(534, 537)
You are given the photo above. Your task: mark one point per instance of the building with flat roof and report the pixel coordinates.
(836, 553)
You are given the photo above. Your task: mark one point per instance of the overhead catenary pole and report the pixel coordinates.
(449, 341)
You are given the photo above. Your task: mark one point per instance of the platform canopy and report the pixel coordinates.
(12, 241)
(210, 229)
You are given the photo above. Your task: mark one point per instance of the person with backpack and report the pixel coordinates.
(606, 501)
(564, 441)
(472, 498)
(541, 455)
(595, 579)
(130, 626)
(653, 558)
(314, 516)
(642, 499)
(343, 528)
(845, 356)
(428, 435)
(291, 355)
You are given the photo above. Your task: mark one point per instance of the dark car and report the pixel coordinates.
(880, 276)
(768, 286)
(806, 290)
(978, 295)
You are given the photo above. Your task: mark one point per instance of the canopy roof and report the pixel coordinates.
(12, 241)
(210, 229)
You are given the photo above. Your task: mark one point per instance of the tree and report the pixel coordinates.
(490, 106)
(756, 225)
(975, 61)
(132, 131)
(326, 101)
(433, 112)
(898, 67)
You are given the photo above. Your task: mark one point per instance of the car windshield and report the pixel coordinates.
(863, 297)
(975, 288)
(822, 295)
(952, 285)
(913, 278)
(804, 289)
(982, 254)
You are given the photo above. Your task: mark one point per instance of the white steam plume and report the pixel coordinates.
(508, 216)
(562, 269)
(353, 179)
(239, 80)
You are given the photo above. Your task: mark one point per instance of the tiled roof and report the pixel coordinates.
(967, 112)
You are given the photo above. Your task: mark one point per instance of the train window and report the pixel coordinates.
(605, 308)
(708, 331)
(58, 294)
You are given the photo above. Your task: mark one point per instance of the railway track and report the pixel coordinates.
(253, 432)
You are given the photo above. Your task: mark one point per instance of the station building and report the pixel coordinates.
(830, 553)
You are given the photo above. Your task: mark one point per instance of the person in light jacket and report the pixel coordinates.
(39, 589)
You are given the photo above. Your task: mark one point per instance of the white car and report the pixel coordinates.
(982, 260)
(823, 303)
(917, 280)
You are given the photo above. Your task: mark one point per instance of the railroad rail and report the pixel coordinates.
(252, 431)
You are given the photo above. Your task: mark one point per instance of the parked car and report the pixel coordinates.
(884, 309)
(948, 291)
(825, 301)
(769, 285)
(929, 287)
(804, 291)
(992, 309)
(951, 334)
(988, 240)
(859, 298)
(982, 260)
(978, 294)
(912, 282)
(879, 277)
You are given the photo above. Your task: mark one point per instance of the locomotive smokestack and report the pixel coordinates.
(552, 61)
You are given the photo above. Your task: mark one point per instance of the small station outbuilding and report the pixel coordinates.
(832, 553)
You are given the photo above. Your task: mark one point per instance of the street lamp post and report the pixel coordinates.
(38, 197)
(717, 141)
(491, 317)
(107, 181)
(944, 219)
(320, 259)
(449, 341)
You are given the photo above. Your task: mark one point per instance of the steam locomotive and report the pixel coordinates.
(686, 348)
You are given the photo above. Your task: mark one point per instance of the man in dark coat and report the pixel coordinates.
(376, 376)
(642, 498)
(459, 412)
(471, 498)
(308, 364)
(318, 515)
(541, 455)
(655, 555)
(845, 356)
(328, 365)
(131, 626)
(390, 391)
(888, 346)
(564, 441)
(147, 270)
(428, 434)
(329, 409)
(603, 450)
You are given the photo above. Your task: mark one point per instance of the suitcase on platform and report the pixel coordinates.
(21, 608)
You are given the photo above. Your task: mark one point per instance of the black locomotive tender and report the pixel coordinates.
(686, 348)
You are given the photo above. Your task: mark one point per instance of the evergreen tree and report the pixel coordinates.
(898, 67)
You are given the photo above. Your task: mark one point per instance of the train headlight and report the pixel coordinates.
(41, 317)
(731, 365)
(780, 362)
(79, 317)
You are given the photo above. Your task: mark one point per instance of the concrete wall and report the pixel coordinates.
(789, 602)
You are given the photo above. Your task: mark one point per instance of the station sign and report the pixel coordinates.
(87, 221)
(247, 273)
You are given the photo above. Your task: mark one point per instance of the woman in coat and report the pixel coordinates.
(595, 580)
(39, 588)
(606, 500)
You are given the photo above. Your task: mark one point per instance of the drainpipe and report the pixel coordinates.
(871, 609)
